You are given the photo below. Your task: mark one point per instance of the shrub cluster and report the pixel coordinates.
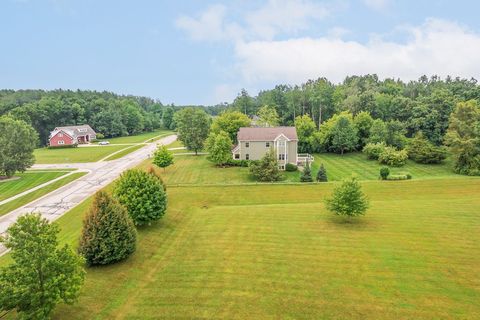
(238, 163)
(373, 150)
(290, 167)
(266, 169)
(63, 147)
(392, 157)
(421, 150)
(405, 176)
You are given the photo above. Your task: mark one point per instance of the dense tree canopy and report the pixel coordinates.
(41, 274)
(192, 126)
(17, 141)
(230, 122)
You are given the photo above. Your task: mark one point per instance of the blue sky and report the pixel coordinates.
(204, 52)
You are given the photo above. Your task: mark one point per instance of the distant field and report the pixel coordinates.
(73, 155)
(12, 205)
(28, 180)
(137, 138)
(272, 251)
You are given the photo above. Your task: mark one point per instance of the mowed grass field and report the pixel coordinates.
(139, 138)
(272, 251)
(190, 169)
(74, 155)
(26, 181)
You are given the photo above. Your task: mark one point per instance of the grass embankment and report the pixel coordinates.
(26, 181)
(74, 155)
(12, 205)
(124, 152)
(272, 251)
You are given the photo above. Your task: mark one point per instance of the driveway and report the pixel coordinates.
(58, 202)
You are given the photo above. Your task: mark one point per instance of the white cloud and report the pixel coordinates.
(224, 92)
(210, 25)
(287, 16)
(436, 47)
(378, 5)
(273, 18)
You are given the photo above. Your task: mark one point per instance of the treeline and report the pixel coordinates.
(423, 105)
(108, 113)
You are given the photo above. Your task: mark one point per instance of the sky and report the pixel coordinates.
(205, 52)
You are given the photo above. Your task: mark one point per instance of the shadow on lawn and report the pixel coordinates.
(353, 223)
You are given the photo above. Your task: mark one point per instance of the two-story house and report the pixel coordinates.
(253, 143)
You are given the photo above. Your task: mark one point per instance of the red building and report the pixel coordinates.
(72, 135)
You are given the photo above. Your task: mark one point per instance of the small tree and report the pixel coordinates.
(219, 147)
(322, 174)
(108, 233)
(266, 169)
(306, 174)
(142, 194)
(384, 173)
(348, 199)
(162, 157)
(41, 275)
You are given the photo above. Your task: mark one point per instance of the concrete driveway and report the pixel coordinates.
(58, 202)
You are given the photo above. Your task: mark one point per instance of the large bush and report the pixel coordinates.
(291, 167)
(219, 147)
(108, 233)
(142, 194)
(373, 150)
(392, 157)
(266, 169)
(422, 151)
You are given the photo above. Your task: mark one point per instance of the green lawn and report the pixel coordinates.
(338, 167)
(74, 155)
(139, 138)
(28, 180)
(124, 152)
(272, 251)
(12, 205)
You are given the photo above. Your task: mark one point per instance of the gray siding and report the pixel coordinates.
(257, 149)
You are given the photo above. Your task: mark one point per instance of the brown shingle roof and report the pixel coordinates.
(265, 134)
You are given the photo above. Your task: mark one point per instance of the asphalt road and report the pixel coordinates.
(100, 174)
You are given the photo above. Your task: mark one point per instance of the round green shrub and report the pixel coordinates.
(142, 194)
(373, 150)
(291, 167)
(384, 173)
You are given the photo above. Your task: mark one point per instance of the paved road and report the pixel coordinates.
(56, 203)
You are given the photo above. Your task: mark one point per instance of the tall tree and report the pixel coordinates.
(363, 122)
(219, 147)
(268, 116)
(17, 142)
(230, 122)
(167, 118)
(41, 274)
(305, 129)
(192, 127)
(463, 137)
(344, 135)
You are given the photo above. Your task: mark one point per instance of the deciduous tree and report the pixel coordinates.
(162, 157)
(348, 199)
(192, 126)
(219, 147)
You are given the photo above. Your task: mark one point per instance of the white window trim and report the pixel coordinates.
(61, 142)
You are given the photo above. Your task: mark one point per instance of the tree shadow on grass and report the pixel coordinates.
(353, 223)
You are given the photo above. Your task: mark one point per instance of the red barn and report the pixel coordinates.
(72, 135)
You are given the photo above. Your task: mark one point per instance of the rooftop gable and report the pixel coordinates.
(266, 134)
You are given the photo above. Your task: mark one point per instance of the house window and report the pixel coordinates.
(237, 156)
(267, 144)
(247, 156)
(281, 143)
(282, 167)
(61, 142)
(247, 144)
(60, 135)
(281, 156)
(82, 130)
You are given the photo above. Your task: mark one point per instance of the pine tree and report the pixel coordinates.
(108, 233)
(307, 174)
(322, 174)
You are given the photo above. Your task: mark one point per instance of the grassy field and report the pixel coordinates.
(28, 180)
(139, 138)
(272, 251)
(12, 205)
(124, 152)
(74, 155)
(198, 170)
